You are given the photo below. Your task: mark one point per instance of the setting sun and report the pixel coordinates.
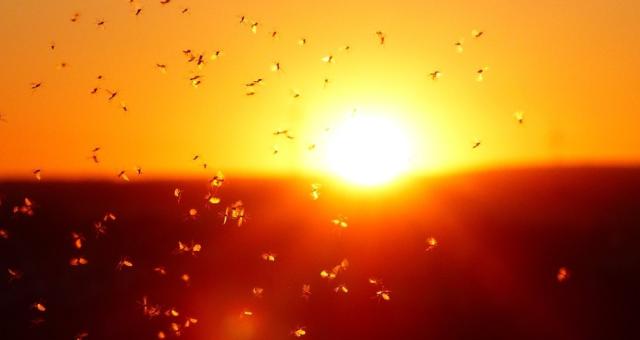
(368, 150)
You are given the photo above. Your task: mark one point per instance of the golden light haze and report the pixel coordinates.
(571, 67)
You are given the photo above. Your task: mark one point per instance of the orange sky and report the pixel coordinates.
(571, 66)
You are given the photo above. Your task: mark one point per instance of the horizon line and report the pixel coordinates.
(190, 177)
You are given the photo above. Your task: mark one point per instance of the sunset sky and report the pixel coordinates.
(571, 66)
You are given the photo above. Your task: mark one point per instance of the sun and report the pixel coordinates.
(368, 150)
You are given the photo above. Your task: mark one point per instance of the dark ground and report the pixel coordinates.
(502, 237)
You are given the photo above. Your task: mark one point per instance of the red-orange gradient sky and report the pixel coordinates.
(571, 67)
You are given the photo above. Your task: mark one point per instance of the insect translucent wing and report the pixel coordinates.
(300, 332)
(563, 274)
(431, 243)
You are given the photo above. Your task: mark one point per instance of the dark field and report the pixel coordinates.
(502, 236)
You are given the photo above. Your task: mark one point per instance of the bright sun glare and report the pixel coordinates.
(368, 150)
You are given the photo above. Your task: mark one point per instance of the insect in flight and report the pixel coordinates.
(125, 262)
(431, 243)
(381, 37)
(435, 75)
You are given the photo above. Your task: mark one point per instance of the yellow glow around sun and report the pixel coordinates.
(368, 150)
